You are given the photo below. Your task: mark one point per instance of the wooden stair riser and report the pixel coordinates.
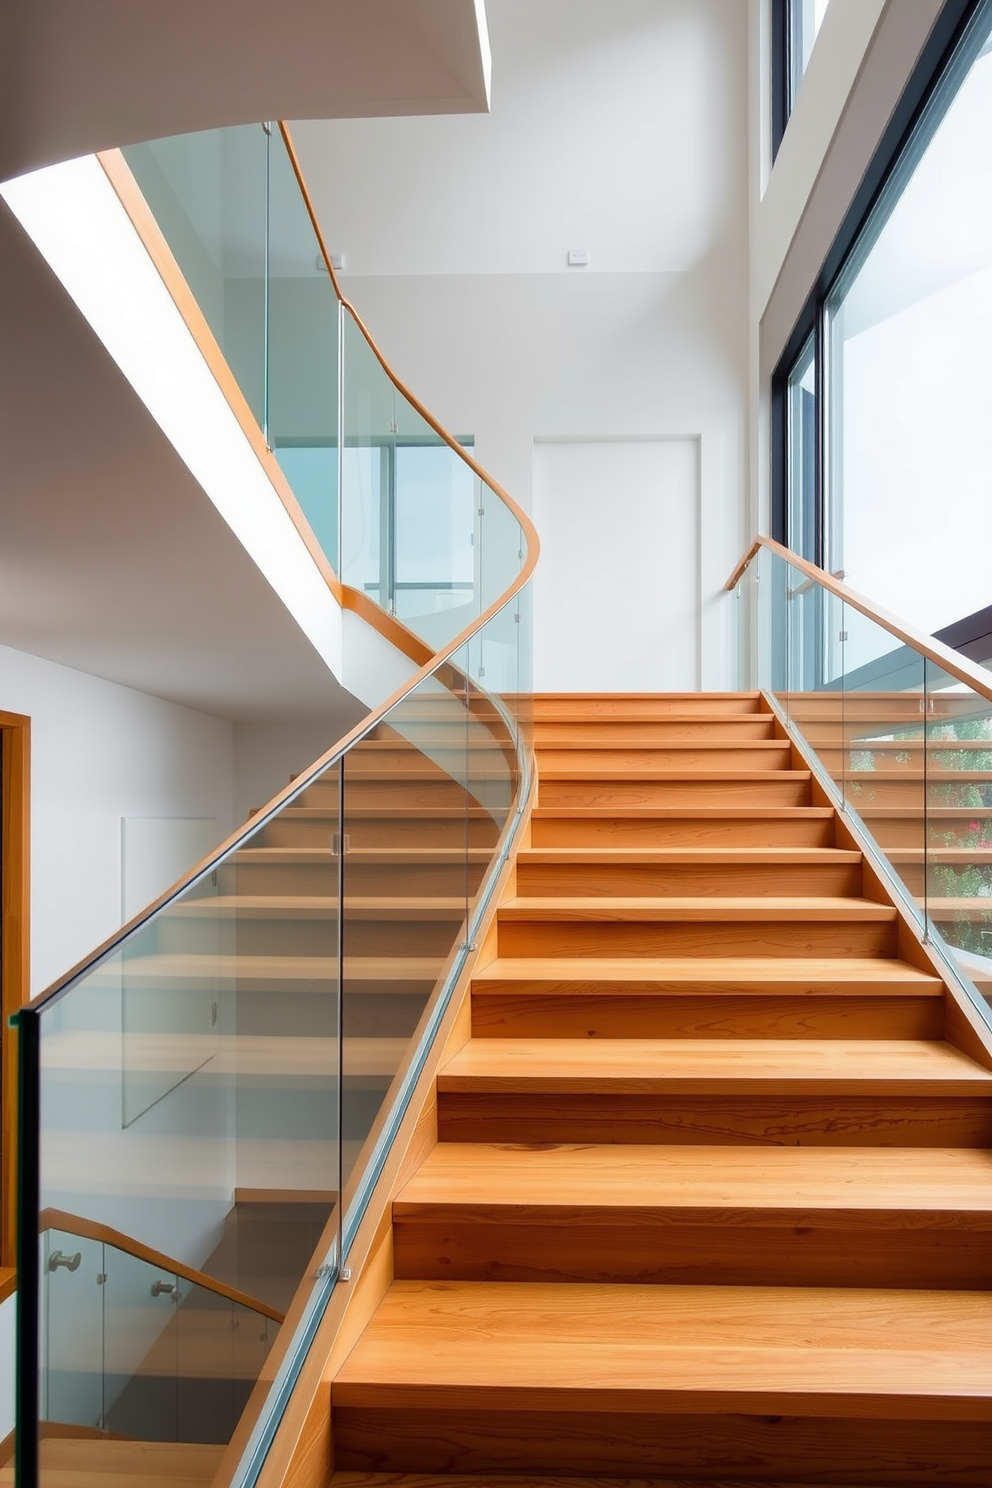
(875, 788)
(798, 828)
(424, 1437)
(379, 828)
(362, 1014)
(912, 826)
(365, 936)
(378, 794)
(403, 878)
(642, 708)
(707, 880)
(945, 759)
(574, 938)
(677, 1246)
(877, 709)
(778, 789)
(714, 755)
(871, 1119)
(503, 1012)
(625, 732)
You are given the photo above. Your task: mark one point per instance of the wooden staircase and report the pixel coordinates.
(711, 1198)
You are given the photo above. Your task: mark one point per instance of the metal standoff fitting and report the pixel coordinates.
(57, 1261)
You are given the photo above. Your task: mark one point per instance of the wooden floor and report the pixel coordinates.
(712, 1196)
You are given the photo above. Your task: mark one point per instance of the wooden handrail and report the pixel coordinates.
(92, 1229)
(942, 656)
(530, 531)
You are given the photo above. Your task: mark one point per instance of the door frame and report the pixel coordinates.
(15, 929)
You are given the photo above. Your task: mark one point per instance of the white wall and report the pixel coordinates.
(619, 128)
(101, 752)
(589, 495)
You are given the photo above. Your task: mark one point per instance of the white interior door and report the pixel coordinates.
(616, 592)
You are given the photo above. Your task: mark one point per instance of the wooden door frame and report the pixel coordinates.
(15, 934)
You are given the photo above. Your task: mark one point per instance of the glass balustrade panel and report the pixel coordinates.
(189, 1102)
(416, 842)
(409, 504)
(958, 870)
(881, 766)
(302, 354)
(207, 192)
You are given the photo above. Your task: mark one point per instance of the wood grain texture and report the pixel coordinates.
(769, 1447)
(77, 1462)
(836, 1352)
(731, 1216)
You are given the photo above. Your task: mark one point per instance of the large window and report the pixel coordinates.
(795, 25)
(900, 496)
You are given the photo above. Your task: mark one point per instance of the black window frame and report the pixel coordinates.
(952, 31)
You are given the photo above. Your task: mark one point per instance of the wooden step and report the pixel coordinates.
(615, 761)
(700, 825)
(305, 925)
(528, 1480)
(702, 997)
(604, 926)
(642, 707)
(738, 1216)
(841, 1385)
(90, 1462)
(604, 733)
(674, 788)
(714, 1092)
(696, 871)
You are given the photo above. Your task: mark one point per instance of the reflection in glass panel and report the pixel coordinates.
(910, 461)
(958, 870)
(302, 353)
(805, 20)
(801, 416)
(207, 193)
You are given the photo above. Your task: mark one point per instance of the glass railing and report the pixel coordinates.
(399, 512)
(218, 1087)
(139, 1349)
(901, 728)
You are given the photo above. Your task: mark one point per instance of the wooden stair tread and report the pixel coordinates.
(741, 1066)
(686, 772)
(689, 856)
(940, 854)
(763, 909)
(273, 1055)
(688, 745)
(319, 907)
(830, 1351)
(882, 1184)
(687, 813)
(712, 974)
(88, 1462)
(243, 969)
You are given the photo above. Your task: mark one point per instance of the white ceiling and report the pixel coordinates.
(77, 77)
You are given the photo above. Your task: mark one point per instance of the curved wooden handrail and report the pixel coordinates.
(92, 1229)
(147, 228)
(530, 531)
(943, 656)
